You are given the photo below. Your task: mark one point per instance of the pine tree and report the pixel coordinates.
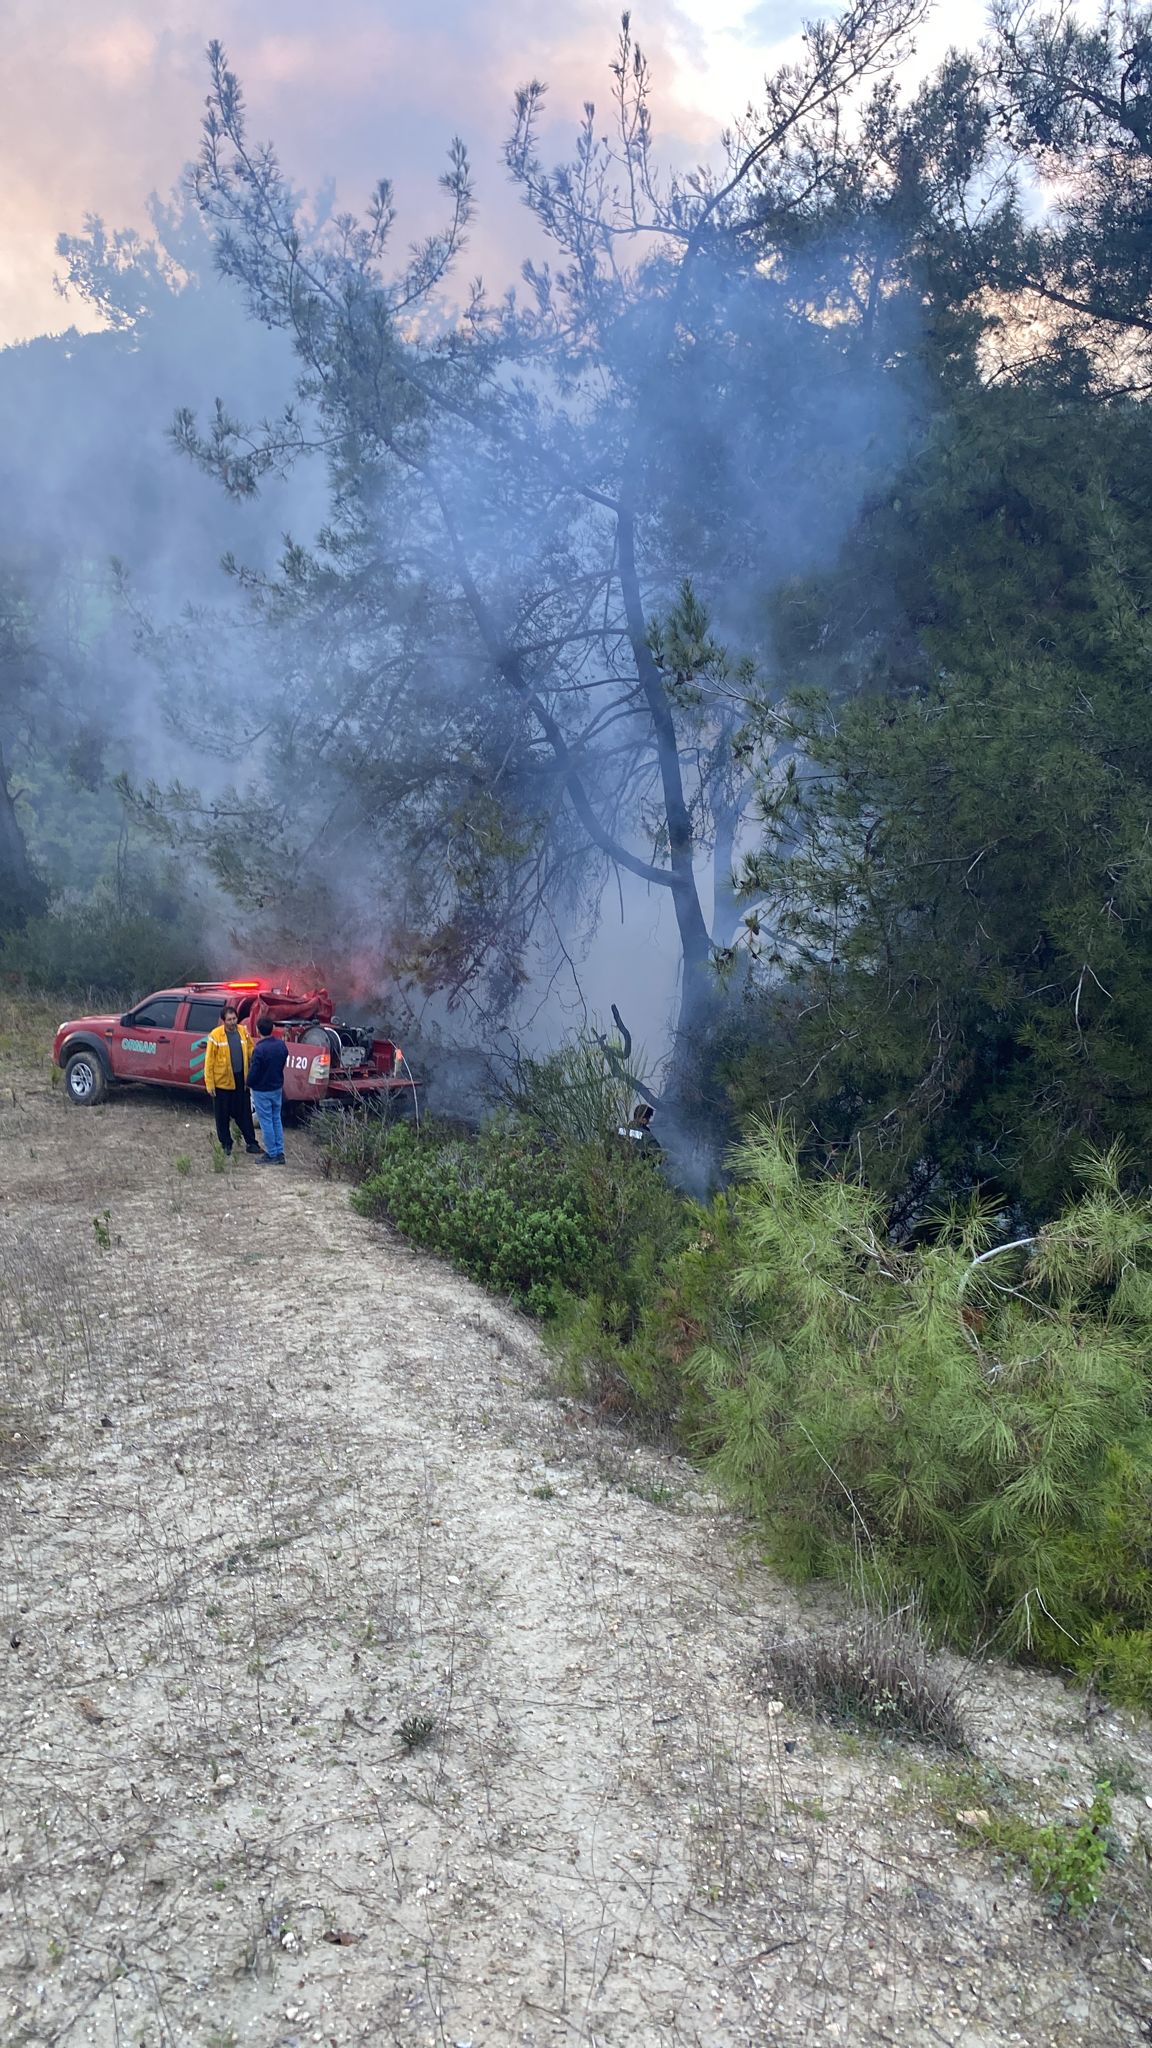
(962, 869)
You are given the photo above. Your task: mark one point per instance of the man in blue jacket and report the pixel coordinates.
(266, 1080)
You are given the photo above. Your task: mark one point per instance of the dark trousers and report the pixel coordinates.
(233, 1107)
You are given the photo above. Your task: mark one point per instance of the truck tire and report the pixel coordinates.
(85, 1078)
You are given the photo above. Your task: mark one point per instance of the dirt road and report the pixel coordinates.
(276, 1489)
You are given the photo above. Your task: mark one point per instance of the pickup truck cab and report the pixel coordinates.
(162, 1039)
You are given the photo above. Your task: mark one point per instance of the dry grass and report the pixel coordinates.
(875, 1671)
(27, 1029)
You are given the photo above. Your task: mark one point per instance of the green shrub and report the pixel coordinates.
(976, 1432)
(578, 1231)
(501, 1206)
(352, 1138)
(1120, 1662)
(579, 1092)
(605, 1337)
(638, 1223)
(693, 1304)
(626, 1343)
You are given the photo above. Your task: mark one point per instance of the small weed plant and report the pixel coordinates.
(1066, 1860)
(183, 1165)
(102, 1231)
(1067, 1863)
(416, 1732)
(219, 1157)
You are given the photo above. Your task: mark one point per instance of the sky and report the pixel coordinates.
(104, 97)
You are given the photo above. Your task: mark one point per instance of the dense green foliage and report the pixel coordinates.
(963, 875)
(545, 1223)
(499, 1206)
(951, 893)
(974, 1427)
(98, 951)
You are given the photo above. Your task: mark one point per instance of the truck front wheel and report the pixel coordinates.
(85, 1081)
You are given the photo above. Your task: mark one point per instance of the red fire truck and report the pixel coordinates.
(162, 1040)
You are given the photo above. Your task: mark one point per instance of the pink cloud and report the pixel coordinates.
(119, 56)
(104, 105)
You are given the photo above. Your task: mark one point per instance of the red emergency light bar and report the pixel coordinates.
(270, 992)
(245, 985)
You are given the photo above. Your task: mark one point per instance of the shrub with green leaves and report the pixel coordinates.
(94, 951)
(501, 1206)
(581, 1092)
(1066, 1860)
(637, 1221)
(660, 1292)
(969, 1424)
(578, 1229)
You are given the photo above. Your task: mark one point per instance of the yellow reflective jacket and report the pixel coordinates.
(218, 1059)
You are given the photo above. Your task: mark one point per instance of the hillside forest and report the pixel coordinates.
(776, 553)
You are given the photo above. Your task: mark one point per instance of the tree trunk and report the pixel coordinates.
(679, 878)
(726, 904)
(696, 983)
(22, 894)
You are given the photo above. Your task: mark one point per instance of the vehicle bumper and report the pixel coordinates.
(375, 1084)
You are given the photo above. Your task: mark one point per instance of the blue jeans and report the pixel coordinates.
(269, 1105)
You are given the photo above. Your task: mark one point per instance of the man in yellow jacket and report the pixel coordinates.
(226, 1058)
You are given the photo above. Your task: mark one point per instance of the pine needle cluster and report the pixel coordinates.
(964, 1420)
